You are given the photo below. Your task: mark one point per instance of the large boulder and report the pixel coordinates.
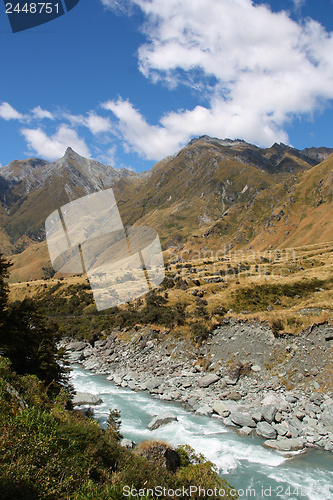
(272, 399)
(208, 380)
(153, 383)
(75, 356)
(269, 412)
(92, 363)
(85, 398)
(162, 419)
(76, 346)
(286, 444)
(204, 410)
(264, 429)
(242, 419)
(221, 409)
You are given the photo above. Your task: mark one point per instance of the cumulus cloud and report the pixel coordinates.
(95, 123)
(7, 112)
(52, 148)
(40, 113)
(149, 141)
(256, 70)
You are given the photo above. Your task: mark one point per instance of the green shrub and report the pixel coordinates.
(54, 454)
(259, 297)
(200, 332)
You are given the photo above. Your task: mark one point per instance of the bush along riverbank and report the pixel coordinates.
(253, 381)
(51, 453)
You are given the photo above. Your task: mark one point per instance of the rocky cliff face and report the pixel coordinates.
(29, 175)
(31, 189)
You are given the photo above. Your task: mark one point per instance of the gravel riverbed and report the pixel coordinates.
(278, 388)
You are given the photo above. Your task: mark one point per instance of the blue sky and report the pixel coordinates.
(131, 82)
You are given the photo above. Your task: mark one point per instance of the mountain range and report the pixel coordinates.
(213, 194)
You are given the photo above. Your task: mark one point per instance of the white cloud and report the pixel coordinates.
(7, 112)
(52, 148)
(266, 70)
(298, 4)
(109, 157)
(175, 130)
(95, 123)
(151, 142)
(40, 113)
(118, 6)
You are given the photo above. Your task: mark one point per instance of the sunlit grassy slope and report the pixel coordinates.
(290, 288)
(208, 197)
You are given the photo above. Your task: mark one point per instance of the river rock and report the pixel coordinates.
(85, 398)
(268, 413)
(271, 399)
(204, 410)
(327, 418)
(75, 356)
(257, 416)
(329, 336)
(300, 414)
(127, 443)
(317, 398)
(234, 396)
(208, 380)
(265, 430)
(245, 431)
(162, 419)
(87, 351)
(278, 418)
(153, 383)
(221, 409)
(231, 379)
(310, 422)
(92, 363)
(285, 444)
(281, 429)
(311, 409)
(291, 398)
(117, 379)
(242, 419)
(76, 346)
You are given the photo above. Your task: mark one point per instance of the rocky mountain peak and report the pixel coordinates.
(18, 170)
(70, 151)
(218, 142)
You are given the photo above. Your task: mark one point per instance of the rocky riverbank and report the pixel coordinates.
(277, 388)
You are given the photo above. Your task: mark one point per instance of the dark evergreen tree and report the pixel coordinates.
(4, 266)
(25, 339)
